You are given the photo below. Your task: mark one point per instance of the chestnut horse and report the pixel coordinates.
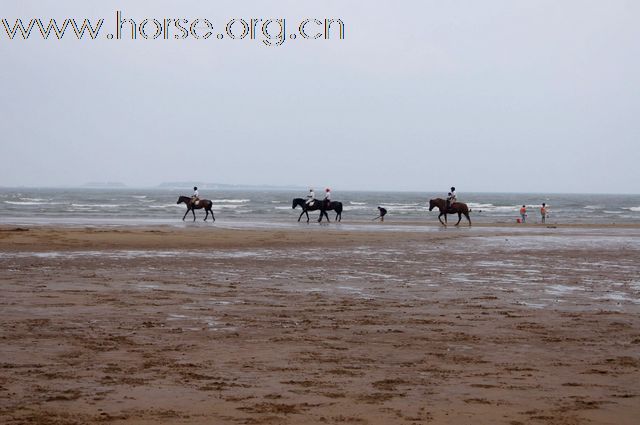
(455, 208)
(202, 203)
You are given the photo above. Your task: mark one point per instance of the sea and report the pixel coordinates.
(273, 208)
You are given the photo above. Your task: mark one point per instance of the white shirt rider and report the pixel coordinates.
(311, 197)
(196, 196)
(327, 195)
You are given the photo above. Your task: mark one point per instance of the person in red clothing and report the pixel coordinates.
(523, 213)
(544, 210)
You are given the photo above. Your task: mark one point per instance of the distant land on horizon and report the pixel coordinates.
(225, 186)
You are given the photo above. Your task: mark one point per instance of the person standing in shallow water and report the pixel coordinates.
(523, 213)
(544, 210)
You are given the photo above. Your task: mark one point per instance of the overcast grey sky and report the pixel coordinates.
(526, 96)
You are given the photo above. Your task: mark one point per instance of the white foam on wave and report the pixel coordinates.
(594, 207)
(231, 201)
(33, 203)
(634, 209)
(494, 208)
(404, 204)
(356, 208)
(612, 212)
(357, 203)
(226, 206)
(97, 205)
(167, 206)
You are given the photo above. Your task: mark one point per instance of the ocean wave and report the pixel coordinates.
(33, 203)
(593, 207)
(231, 201)
(634, 209)
(139, 196)
(98, 205)
(612, 212)
(474, 206)
(478, 205)
(357, 203)
(404, 204)
(224, 206)
(166, 206)
(34, 199)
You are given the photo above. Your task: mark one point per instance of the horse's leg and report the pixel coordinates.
(444, 223)
(324, 213)
(207, 215)
(307, 213)
(301, 215)
(459, 218)
(468, 218)
(213, 216)
(193, 210)
(185, 214)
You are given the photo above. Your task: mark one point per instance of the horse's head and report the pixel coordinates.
(432, 204)
(181, 199)
(295, 203)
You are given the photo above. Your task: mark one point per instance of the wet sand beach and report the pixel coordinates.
(320, 325)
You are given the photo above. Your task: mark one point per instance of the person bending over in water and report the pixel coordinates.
(383, 212)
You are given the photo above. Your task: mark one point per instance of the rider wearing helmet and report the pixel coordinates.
(195, 198)
(327, 197)
(311, 197)
(451, 197)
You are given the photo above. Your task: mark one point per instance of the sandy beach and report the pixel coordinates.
(318, 325)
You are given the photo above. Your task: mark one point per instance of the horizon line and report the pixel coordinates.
(288, 188)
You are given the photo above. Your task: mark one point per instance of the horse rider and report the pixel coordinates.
(327, 198)
(311, 197)
(195, 198)
(451, 197)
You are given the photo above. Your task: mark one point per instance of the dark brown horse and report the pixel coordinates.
(455, 208)
(191, 206)
(318, 205)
